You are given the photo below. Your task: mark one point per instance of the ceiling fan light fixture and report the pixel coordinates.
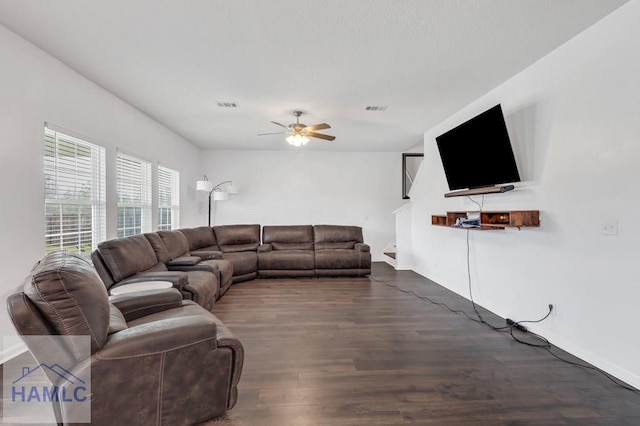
(297, 140)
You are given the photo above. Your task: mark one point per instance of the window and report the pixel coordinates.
(74, 188)
(134, 195)
(168, 198)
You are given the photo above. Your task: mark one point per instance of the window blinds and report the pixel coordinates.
(168, 198)
(74, 187)
(134, 195)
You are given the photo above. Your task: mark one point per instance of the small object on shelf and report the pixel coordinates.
(489, 220)
(468, 223)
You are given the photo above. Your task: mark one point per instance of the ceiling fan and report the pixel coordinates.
(299, 133)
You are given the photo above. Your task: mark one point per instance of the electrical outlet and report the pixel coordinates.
(610, 227)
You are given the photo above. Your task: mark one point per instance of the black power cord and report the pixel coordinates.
(444, 305)
(545, 345)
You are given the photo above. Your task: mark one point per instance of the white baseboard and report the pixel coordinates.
(578, 351)
(588, 357)
(12, 352)
(404, 268)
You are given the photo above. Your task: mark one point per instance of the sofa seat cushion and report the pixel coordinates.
(286, 260)
(243, 262)
(202, 288)
(225, 271)
(342, 259)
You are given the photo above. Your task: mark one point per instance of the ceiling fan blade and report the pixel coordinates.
(320, 136)
(274, 133)
(281, 125)
(320, 126)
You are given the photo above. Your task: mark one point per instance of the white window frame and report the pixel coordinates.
(168, 198)
(72, 184)
(133, 188)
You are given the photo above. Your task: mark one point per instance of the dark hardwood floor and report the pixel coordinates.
(353, 351)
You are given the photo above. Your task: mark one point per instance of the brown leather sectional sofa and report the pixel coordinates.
(203, 262)
(154, 355)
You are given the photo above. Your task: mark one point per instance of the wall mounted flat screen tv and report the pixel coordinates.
(478, 153)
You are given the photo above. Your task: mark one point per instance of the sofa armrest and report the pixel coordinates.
(164, 335)
(207, 254)
(184, 261)
(213, 268)
(265, 248)
(137, 305)
(177, 278)
(226, 339)
(362, 247)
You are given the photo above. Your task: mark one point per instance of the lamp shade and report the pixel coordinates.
(204, 185)
(220, 195)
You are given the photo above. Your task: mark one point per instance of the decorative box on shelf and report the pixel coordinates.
(490, 220)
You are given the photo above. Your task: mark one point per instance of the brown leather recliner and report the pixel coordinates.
(239, 244)
(287, 251)
(340, 251)
(155, 358)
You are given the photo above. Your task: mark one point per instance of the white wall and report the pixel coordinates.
(574, 120)
(310, 187)
(34, 89)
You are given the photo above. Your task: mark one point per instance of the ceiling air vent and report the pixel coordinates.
(228, 104)
(375, 108)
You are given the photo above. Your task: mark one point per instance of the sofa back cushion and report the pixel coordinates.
(329, 237)
(127, 256)
(235, 238)
(70, 296)
(176, 243)
(162, 254)
(200, 237)
(101, 269)
(298, 237)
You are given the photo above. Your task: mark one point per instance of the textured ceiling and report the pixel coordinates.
(424, 59)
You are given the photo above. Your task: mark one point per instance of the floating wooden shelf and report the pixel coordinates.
(492, 220)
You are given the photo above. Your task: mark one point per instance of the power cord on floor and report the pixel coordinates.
(444, 305)
(511, 325)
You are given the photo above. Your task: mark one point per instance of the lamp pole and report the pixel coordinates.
(211, 192)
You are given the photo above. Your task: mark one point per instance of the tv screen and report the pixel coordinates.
(478, 153)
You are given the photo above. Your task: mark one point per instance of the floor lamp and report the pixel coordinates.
(217, 192)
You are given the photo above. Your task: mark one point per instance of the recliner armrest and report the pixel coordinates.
(362, 247)
(140, 304)
(197, 267)
(177, 278)
(159, 336)
(207, 254)
(184, 261)
(265, 248)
